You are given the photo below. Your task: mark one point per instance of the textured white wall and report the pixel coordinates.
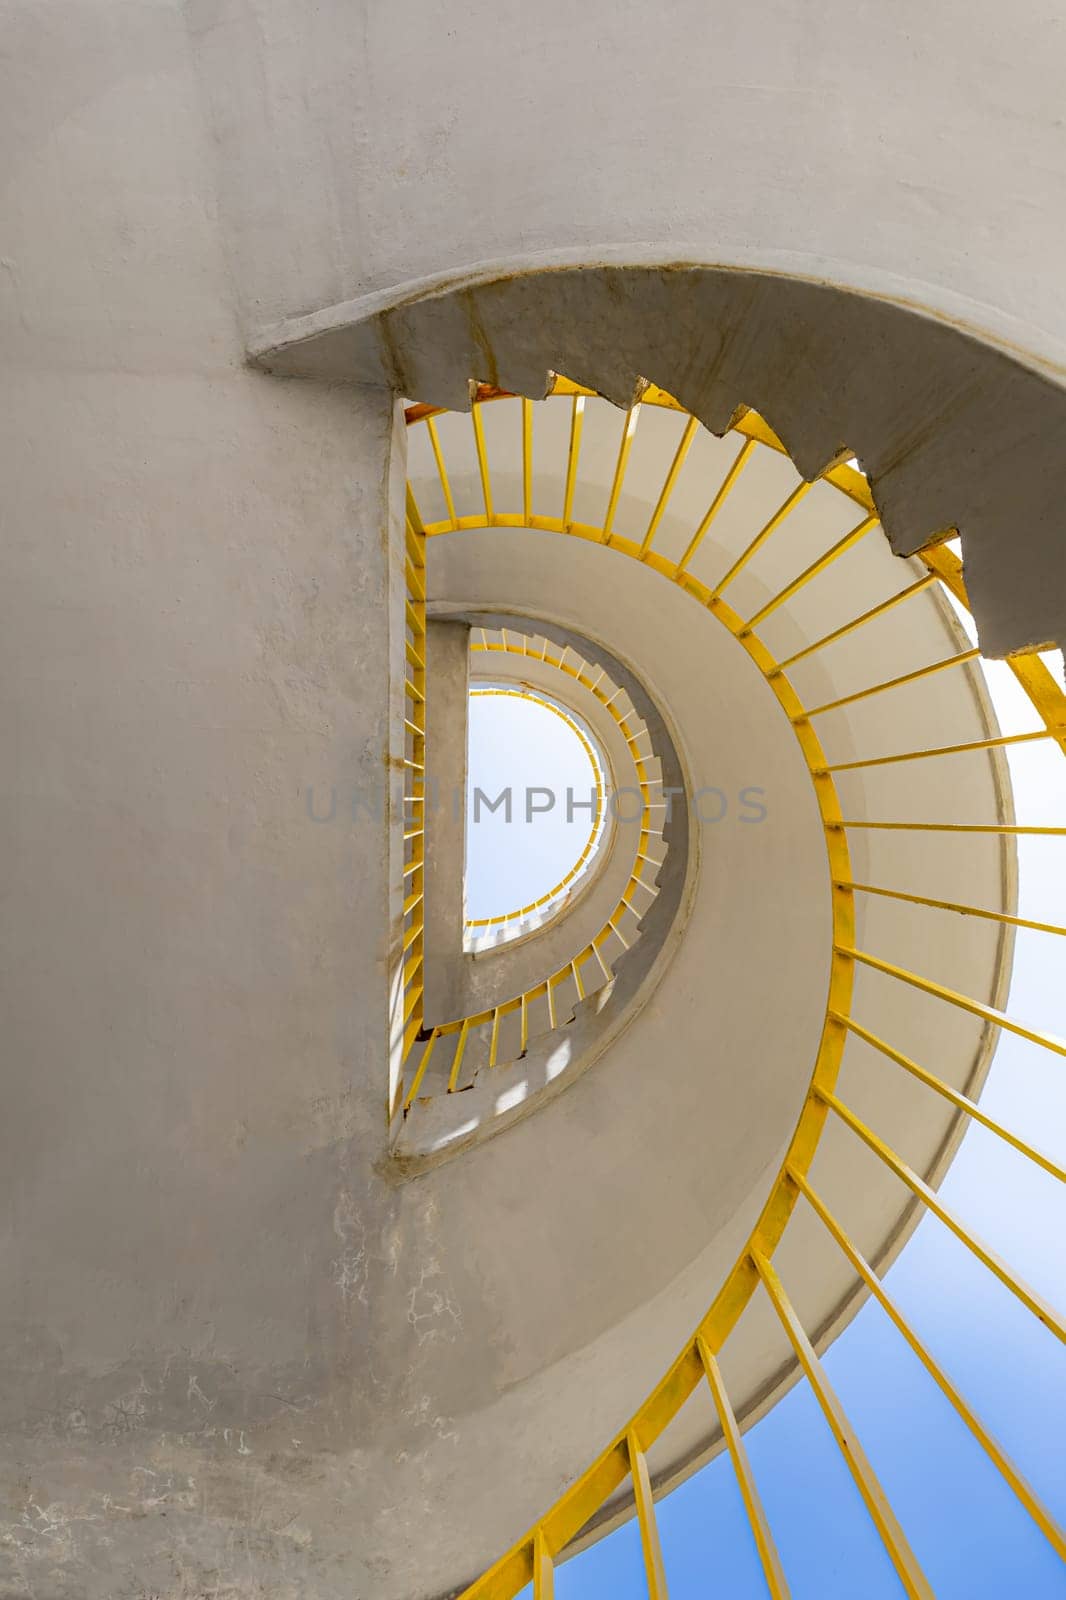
(194, 627)
(913, 150)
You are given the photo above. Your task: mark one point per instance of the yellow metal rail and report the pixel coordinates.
(412, 974)
(589, 961)
(625, 1457)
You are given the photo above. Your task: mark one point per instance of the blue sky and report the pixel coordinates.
(969, 1532)
(520, 744)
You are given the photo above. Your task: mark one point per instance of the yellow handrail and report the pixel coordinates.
(625, 1456)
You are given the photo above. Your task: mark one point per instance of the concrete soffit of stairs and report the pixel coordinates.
(953, 433)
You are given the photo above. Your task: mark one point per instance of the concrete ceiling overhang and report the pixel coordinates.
(952, 432)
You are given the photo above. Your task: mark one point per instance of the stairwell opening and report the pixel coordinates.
(537, 811)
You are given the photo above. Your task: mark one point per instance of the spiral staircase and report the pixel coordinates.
(696, 378)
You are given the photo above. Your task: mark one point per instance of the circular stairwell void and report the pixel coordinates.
(882, 693)
(528, 856)
(537, 1009)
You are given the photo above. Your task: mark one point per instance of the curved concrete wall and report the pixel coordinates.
(913, 152)
(631, 610)
(360, 172)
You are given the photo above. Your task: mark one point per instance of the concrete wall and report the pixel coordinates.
(235, 1358)
(912, 151)
(370, 157)
(198, 596)
(448, 670)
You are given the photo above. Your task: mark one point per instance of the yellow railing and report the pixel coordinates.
(591, 966)
(625, 1457)
(412, 973)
